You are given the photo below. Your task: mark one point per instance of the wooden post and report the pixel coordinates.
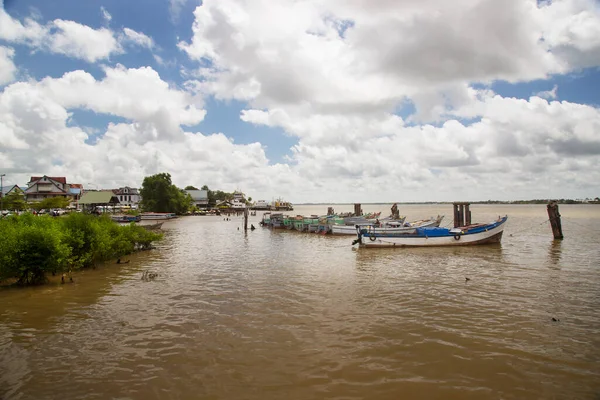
(467, 215)
(462, 214)
(357, 210)
(554, 216)
(246, 219)
(456, 219)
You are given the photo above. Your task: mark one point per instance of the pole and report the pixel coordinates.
(246, 219)
(555, 223)
(2, 192)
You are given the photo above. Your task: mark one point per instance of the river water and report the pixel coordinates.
(287, 315)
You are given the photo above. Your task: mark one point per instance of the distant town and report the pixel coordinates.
(55, 192)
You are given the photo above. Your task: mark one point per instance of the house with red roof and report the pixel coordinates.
(43, 187)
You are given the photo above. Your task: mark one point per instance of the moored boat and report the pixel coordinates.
(471, 234)
(156, 215)
(126, 218)
(388, 226)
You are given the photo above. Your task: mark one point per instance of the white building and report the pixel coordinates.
(128, 196)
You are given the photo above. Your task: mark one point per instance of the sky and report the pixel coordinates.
(323, 101)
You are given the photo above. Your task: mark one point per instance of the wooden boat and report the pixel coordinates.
(155, 215)
(468, 235)
(388, 226)
(126, 218)
(153, 227)
(266, 219)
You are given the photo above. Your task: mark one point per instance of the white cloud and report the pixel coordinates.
(105, 15)
(331, 74)
(80, 41)
(8, 69)
(519, 148)
(12, 30)
(137, 38)
(548, 94)
(359, 56)
(70, 38)
(572, 31)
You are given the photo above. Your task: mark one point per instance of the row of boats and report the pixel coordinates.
(394, 231)
(345, 224)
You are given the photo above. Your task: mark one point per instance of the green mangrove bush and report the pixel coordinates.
(33, 246)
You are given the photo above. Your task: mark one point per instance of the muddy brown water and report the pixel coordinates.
(286, 315)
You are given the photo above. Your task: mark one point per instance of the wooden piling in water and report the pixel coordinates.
(554, 217)
(246, 219)
(357, 209)
(462, 214)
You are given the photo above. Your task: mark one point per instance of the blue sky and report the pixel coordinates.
(166, 30)
(320, 86)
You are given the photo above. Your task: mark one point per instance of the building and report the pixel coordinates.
(199, 198)
(238, 202)
(128, 196)
(75, 190)
(40, 188)
(99, 201)
(8, 190)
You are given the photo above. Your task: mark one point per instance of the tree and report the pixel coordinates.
(190, 187)
(14, 201)
(51, 202)
(159, 194)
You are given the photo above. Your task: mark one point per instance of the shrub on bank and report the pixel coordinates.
(33, 246)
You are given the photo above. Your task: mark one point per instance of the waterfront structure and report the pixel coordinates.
(94, 201)
(128, 196)
(281, 205)
(239, 201)
(261, 205)
(199, 198)
(40, 188)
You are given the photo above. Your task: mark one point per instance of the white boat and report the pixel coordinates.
(473, 234)
(155, 215)
(261, 205)
(387, 226)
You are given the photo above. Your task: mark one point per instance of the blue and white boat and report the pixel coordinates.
(468, 235)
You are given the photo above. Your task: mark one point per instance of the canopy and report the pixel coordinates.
(99, 198)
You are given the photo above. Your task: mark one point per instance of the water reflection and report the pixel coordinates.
(555, 253)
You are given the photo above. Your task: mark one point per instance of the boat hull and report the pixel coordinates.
(351, 230)
(489, 234)
(151, 216)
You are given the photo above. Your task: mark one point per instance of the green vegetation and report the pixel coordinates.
(216, 195)
(159, 194)
(51, 202)
(14, 201)
(33, 246)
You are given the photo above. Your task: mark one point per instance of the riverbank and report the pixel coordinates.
(33, 248)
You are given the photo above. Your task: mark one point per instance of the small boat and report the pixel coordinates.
(126, 218)
(389, 226)
(155, 215)
(266, 219)
(472, 234)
